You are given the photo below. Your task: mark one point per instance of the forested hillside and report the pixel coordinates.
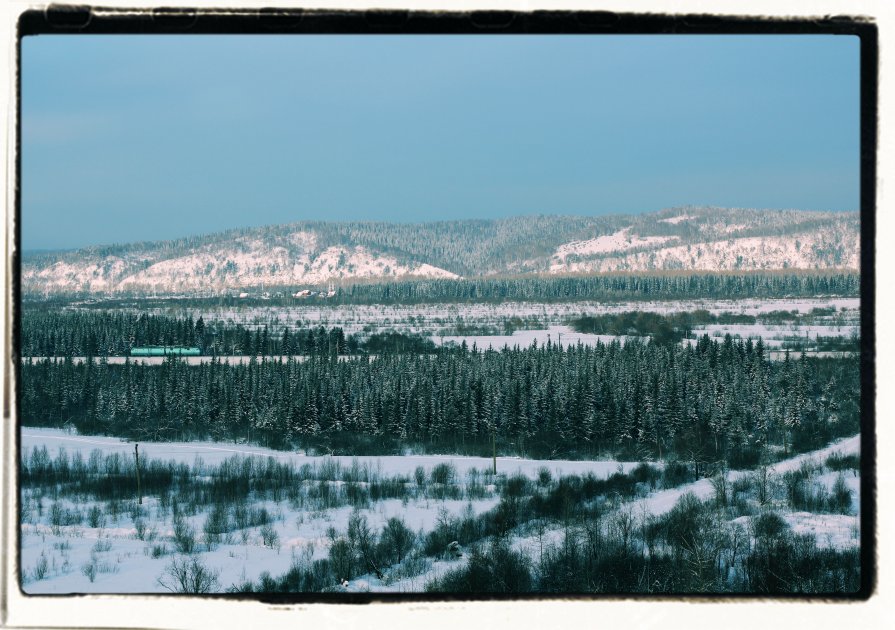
(315, 253)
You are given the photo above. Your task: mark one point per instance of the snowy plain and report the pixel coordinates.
(213, 453)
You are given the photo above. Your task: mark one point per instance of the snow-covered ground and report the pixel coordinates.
(431, 318)
(125, 562)
(441, 321)
(830, 530)
(214, 453)
(662, 501)
(562, 335)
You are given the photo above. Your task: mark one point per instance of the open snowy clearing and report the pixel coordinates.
(216, 452)
(557, 335)
(431, 318)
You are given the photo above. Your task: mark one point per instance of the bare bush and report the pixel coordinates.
(185, 574)
(269, 536)
(184, 536)
(90, 569)
(41, 568)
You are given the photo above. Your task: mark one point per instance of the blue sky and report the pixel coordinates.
(129, 138)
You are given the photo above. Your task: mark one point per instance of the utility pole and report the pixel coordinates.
(137, 459)
(494, 449)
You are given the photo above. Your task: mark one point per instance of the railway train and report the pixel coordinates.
(163, 351)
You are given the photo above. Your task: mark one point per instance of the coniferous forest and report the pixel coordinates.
(712, 401)
(660, 285)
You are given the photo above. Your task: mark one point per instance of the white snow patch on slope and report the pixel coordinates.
(607, 244)
(822, 250)
(677, 219)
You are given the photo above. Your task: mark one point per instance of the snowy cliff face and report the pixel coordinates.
(698, 239)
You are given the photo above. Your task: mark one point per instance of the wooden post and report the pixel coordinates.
(494, 447)
(137, 459)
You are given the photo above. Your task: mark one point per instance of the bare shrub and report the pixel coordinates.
(158, 551)
(185, 574)
(140, 528)
(90, 569)
(95, 517)
(41, 568)
(184, 536)
(269, 536)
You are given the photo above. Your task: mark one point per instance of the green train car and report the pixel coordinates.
(163, 351)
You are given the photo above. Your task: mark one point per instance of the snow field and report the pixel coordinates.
(429, 318)
(128, 560)
(213, 453)
(440, 322)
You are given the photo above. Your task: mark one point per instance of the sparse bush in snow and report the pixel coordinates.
(341, 558)
(135, 510)
(443, 474)
(646, 474)
(25, 511)
(184, 535)
(675, 473)
(55, 517)
(269, 536)
(496, 569)
(762, 478)
(95, 517)
(475, 489)
(804, 493)
(186, 574)
(719, 485)
(217, 523)
(158, 551)
(768, 526)
(419, 475)
(395, 541)
(90, 568)
(41, 568)
(839, 462)
(840, 497)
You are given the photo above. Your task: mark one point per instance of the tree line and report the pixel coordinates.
(659, 286)
(107, 334)
(713, 401)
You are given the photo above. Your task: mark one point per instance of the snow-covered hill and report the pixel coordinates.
(828, 248)
(315, 253)
(244, 262)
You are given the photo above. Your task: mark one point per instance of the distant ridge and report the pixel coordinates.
(315, 253)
